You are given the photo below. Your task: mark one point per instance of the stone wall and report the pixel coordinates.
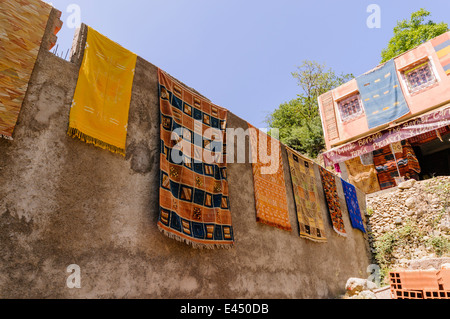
(416, 215)
(64, 202)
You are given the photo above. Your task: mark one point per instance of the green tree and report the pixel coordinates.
(408, 34)
(298, 120)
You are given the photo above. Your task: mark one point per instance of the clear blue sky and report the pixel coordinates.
(240, 54)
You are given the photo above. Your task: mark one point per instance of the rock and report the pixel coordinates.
(445, 226)
(355, 286)
(420, 212)
(436, 233)
(445, 266)
(404, 261)
(397, 255)
(420, 252)
(383, 292)
(421, 203)
(410, 202)
(407, 185)
(366, 294)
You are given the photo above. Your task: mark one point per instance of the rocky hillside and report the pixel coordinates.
(410, 222)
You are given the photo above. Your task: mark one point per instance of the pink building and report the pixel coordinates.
(405, 100)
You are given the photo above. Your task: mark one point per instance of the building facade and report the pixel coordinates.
(394, 119)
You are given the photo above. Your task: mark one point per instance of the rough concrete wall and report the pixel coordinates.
(65, 202)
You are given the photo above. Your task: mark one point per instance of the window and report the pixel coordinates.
(419, 77)
(350, 108)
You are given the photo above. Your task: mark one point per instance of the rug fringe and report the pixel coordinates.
(340, 233)
(323, 241)
(6, 137)
(192, 243)
(262, 221)
(73, 132)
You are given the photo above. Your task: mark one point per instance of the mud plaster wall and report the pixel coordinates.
(65, 202)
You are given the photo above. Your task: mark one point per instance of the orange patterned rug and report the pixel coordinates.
(269, 184)
(23, 25)
(194, 200)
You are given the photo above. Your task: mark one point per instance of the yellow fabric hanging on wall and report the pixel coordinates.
(101, 103)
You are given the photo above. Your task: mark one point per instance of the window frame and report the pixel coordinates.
(415, 90)
(353, 116)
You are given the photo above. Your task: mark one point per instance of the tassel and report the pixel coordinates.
(314, 239)
(339, 232)
(73, 132)
(9, 138)
(263, 221)
(192, 243)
